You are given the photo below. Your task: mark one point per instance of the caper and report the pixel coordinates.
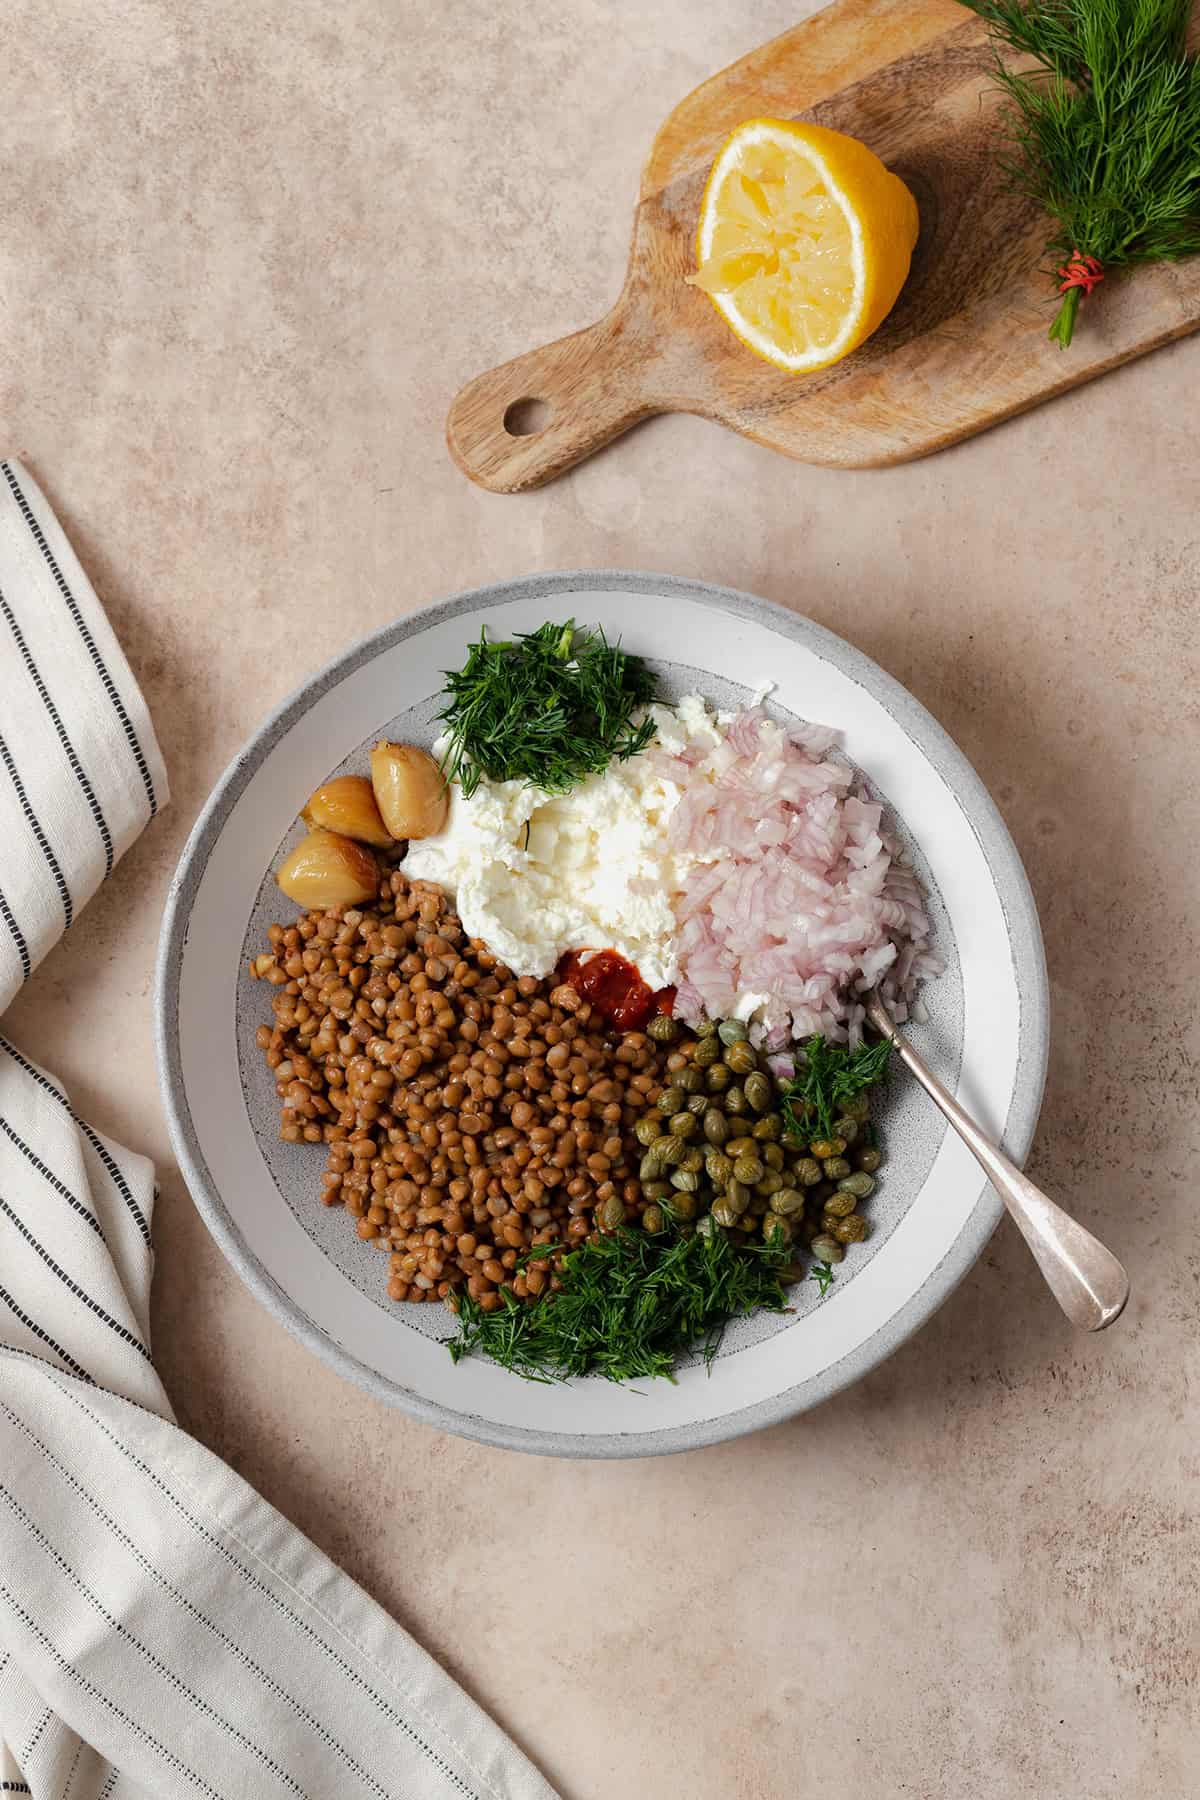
(758, 1091)
(768, 1183)
(768, 1130)
(706, 1227)
(706, 1028)
(851, 1230)
(682, 1125)
(690, 1080)
(858, 1109)
(662, 1028)
(742, 1145)
(846, 1129)
(724, 1214)
(835, 1167)
(773, 1156)
(827, 1249)
(672, 1151)
(840, 1205)
(776, 1231)
(869, 1160)
(685, 1181)
(717, 1078)
(681, 1204)
(719, 1167)
(731, 1031)
(670, 1100)
(791, 1273)
(829, 1225)
(748, 1169)
(654, 1219)
(647, 1129)
(693, 1159)
(698, 1104)
(610, 1213)
(652, 1165)
(655, 1190)
(823, 1148)
(807, 1171)
(859, 1184)
(735, 1101)
(792, 1140)
(716, 1126)
(707, 1050)
(737, 1194)
(740, 1057)
(787, 1202)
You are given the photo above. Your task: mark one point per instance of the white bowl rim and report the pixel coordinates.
(1020, 913)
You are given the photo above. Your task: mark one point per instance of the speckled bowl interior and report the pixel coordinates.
(986, 1030)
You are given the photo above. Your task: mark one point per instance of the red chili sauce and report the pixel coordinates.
(614, 987)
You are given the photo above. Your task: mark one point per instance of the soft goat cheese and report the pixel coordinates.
(535, 875)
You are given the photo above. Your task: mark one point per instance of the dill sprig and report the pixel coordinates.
(629, 1307)
(827, 1077)
(549, 708)
(1104, 132)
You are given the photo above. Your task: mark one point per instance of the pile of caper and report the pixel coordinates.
(718, 1153)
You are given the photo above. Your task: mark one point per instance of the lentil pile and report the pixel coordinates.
(480, 1127)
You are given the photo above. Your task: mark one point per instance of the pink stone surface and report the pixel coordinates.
(248, 253)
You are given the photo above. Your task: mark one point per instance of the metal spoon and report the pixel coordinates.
(1088, 1282)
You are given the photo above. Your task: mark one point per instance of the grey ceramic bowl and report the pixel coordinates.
(986, 1030)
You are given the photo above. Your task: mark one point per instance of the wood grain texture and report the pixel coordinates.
(966, 345)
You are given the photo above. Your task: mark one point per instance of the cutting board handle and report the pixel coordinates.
(527, 421)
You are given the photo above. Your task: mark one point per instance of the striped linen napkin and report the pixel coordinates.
(163, 1631)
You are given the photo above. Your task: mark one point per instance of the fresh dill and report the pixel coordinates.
(827, 1076)
(549, 708)
(1103, 132)
(629, 1307)
(823, 1275)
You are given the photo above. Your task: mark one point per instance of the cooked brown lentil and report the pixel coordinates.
(468, 1116)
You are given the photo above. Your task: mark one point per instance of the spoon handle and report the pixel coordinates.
(1085, 1278)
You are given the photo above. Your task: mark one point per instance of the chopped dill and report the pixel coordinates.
(827, 1077)
(629, 1307)
(824, 1275)
(549, 708)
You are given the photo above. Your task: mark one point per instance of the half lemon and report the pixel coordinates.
(804, 243)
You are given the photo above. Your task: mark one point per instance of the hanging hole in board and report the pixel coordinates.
(526, 417)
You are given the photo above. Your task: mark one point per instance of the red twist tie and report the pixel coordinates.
(1080, 271)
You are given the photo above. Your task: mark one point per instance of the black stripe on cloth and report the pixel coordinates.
(18, 939)
(160, 1580)
(112, 1167)
(156, 1663)
(59, 1187)
(110, 686)
(31, 1325)
(139, 1731)
(302, 1625)
(35, 675)
(93, 1305)
(109, 1785)
(15, 1787)
(35, 825)
(71, 1772)
(36, 1739)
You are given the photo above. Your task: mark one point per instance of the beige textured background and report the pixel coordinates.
(248, 251)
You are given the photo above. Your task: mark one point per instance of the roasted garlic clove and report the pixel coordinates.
(329, 870)
(347, 805)
(410, 789)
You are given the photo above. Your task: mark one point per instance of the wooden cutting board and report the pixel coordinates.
(966, 345)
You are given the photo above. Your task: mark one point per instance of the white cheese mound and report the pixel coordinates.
(535, 875)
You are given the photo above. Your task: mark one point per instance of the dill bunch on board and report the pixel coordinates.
(1104, 132)
(549, 707)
